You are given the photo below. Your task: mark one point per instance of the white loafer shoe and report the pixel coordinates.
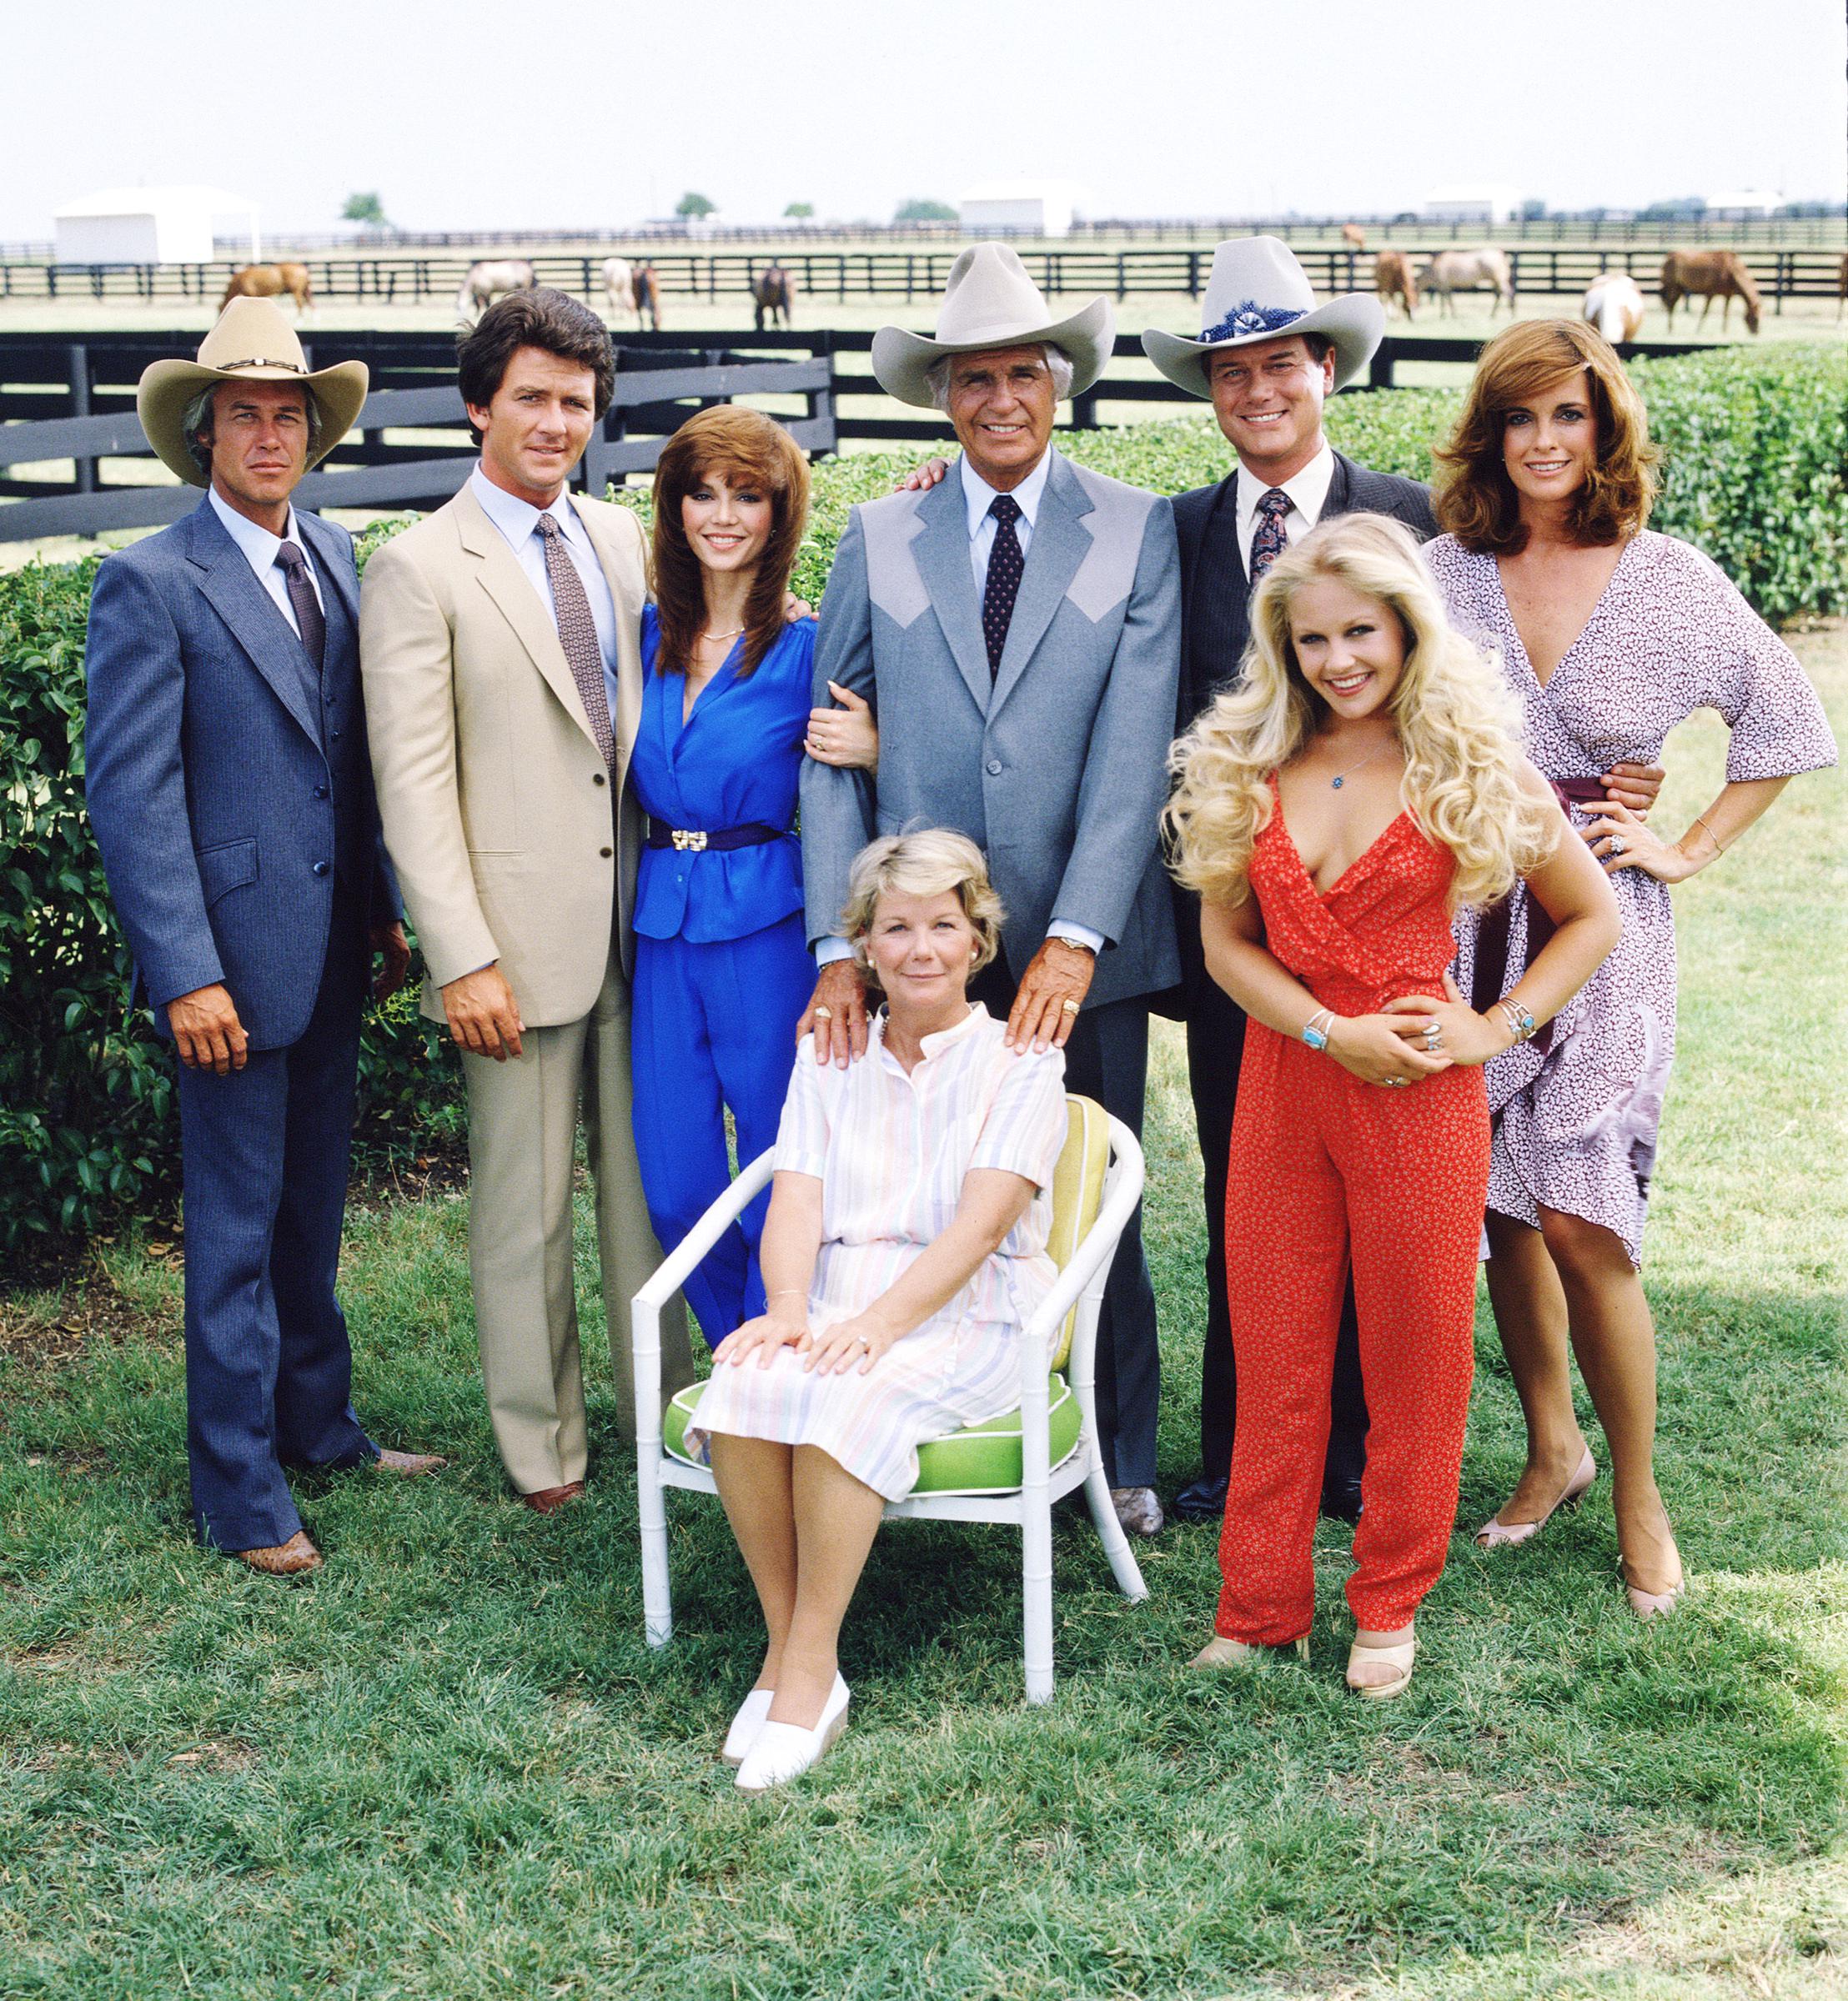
(781, 1752)
(744, 1726)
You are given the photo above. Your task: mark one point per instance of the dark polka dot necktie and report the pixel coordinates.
(1005, 565)
(309, 619)
(1269, 542)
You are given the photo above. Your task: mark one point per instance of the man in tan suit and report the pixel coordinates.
(499, 646)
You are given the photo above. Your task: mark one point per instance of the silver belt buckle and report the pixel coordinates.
(691, 839)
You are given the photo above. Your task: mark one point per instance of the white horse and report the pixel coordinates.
(1469, 271)
(1613, 305)
(619, 286)
(488, 280)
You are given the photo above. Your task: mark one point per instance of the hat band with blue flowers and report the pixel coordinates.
(1247, 317)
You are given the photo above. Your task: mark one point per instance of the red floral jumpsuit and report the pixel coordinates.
(1325, 1167)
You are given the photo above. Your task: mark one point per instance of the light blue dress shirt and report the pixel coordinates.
(518, 522)
(259, 547)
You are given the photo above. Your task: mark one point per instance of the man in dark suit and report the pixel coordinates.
(231, 795)
(1268, 358)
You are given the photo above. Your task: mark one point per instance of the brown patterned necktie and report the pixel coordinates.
(577, 633)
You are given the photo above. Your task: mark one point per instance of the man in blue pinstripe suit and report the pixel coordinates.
(231, 795)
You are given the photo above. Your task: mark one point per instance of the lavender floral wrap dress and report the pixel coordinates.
(1576, 1120)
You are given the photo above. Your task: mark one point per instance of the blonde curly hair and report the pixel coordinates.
(1458, 724)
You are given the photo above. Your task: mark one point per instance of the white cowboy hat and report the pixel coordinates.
(1258, 291)
(991, 302)
(251, 343)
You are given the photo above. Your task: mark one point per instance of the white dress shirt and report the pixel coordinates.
(259, 547)
(977, 495)
(518, 522)
(1309, 493)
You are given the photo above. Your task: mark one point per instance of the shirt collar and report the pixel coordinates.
(257, 544)
(977, 493)
(1307, 490)
(945, 1039)
(517, 519)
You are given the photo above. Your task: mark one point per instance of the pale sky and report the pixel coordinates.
(503, 114)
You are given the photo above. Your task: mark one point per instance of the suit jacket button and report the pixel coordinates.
(320, 791)
(599, 778)
(606, 852)
(994, 767)
(320, 868)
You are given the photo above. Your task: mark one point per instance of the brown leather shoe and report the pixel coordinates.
(294, 1558)
(409, 1466)
(549, 1500)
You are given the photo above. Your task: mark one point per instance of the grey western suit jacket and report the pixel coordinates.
(1057, 767)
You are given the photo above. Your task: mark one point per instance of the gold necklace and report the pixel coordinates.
(705, 638)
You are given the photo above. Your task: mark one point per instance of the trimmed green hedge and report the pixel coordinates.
(1754, 441)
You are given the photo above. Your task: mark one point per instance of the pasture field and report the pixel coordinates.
(449, 1768)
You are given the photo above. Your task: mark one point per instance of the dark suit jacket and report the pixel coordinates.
(1215, 625)
(228, 785)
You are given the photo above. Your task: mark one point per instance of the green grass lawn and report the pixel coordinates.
(449, 1768)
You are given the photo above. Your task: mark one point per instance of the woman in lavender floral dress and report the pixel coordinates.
(1612, 635)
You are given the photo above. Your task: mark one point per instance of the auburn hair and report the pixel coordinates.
(749, 449)
(1476, 500)
(1466, 780)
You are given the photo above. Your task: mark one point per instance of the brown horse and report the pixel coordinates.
(1393, 279)
(773, 289)
(1354, 236)
(646, 291)
(270, 280)
(1709, 275)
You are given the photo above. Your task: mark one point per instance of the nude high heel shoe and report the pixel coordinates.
(1653, 1604)
(753, 1713)
(1499, 1535)
(781, 1752)
(1398, 1656)
(1221, 1652)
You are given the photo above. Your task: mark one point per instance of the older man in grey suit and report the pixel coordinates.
(1016, 632)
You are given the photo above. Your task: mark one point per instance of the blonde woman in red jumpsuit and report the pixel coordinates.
(1363, 780)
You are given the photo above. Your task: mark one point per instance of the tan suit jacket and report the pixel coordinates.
(496, 804)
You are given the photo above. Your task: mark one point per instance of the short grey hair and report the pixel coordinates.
(196, 419)
(929, 862)
(936, 377)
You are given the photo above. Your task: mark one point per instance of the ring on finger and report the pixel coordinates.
(1617, 844)
(824, 1013)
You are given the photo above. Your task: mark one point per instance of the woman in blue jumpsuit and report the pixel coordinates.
(722, 966)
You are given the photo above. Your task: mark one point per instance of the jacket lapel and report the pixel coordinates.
(518, 603)
(943, 561)
(1061, 540)
(1340, 499)
(230, 585)
(621, 575)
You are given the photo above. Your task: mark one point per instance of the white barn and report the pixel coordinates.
(1025, 208)
(150, 225)
(1743, 205)
(1488, 204)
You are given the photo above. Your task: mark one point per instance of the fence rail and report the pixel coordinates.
(72, 401)
(394, 278)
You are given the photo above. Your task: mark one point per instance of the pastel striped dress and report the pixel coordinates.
(891, 1151)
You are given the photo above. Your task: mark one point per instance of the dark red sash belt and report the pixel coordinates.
(1491, 968)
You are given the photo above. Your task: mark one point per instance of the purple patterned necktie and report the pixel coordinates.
(1005, 565)
(309, 619)
(1269, 542)
(577, 633)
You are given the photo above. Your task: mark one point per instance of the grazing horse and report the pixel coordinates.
(1393, 279)
(488, 279)
(774, 290)
(619, 286)
(1354, 236)
(1709, 275)
(646, 294)
(1614, 304)
(1452, 271)
(270, 280)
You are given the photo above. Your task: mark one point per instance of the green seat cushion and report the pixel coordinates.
(980, 1459)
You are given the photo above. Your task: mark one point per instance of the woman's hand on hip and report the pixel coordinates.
(1450, 1027)
(1383, 1049)
(763, 1337)
(1621, 841)
(848, 1344)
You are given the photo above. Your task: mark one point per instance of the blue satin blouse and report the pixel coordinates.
(736, 760)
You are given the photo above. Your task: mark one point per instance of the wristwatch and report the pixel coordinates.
(1074, 944)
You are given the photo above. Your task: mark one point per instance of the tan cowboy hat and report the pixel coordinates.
(1258, 291)
(251, 343)
(991, 302)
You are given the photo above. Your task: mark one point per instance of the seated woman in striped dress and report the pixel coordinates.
(905, 1249)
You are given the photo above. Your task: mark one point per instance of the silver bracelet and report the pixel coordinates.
(1518, 1020)
(1317, 1028)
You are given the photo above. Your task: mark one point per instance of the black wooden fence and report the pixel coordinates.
(394, 278)
(70, 399)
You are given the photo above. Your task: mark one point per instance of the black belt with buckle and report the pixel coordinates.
(693, 840)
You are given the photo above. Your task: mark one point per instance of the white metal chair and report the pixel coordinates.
(1091, 1209)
